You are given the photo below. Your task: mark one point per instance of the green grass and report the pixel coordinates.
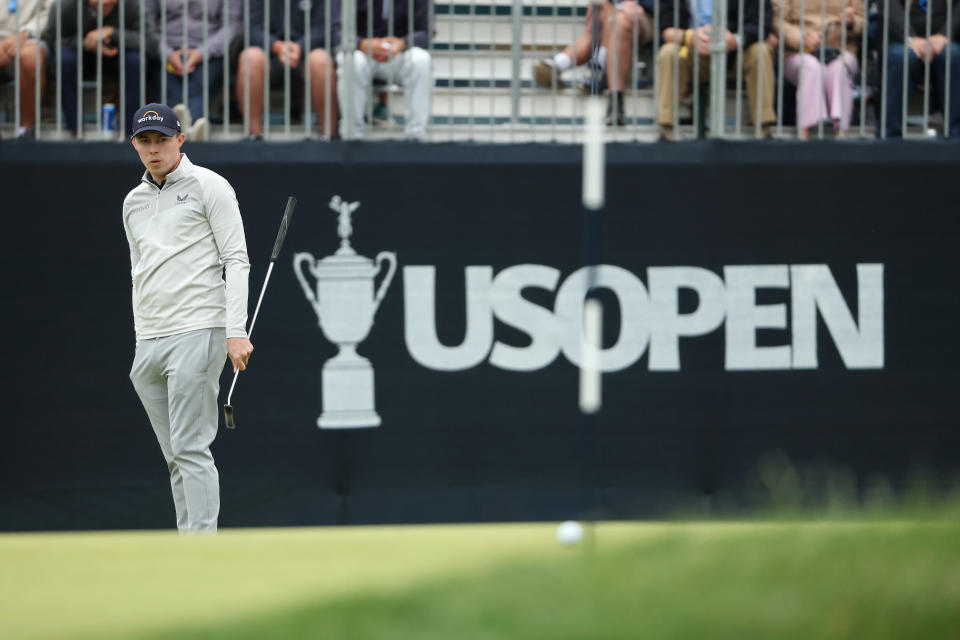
(871, 579)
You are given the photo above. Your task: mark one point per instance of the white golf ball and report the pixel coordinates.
(569, 533)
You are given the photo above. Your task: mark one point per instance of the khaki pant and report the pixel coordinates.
(751, 66)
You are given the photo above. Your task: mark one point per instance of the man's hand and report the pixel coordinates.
(921, 48)
(239, 350)
(397, 45)
(288, 52)
(103, 36)
(175, 62)
(701, 38)
(938, 42)
(730, 41)
(8, 48)
(811, 40)
(194, 57)
(380, 49)
(91, 39)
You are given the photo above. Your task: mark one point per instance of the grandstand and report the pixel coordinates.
(483, 53)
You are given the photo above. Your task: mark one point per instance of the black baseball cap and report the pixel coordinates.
(155, 117)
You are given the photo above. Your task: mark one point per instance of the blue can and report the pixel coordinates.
(108, 120)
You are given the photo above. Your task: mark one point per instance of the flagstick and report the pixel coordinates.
(593, 200)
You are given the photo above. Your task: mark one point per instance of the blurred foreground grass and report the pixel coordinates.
(842, 579)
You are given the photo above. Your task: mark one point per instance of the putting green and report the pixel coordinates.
(872, 579)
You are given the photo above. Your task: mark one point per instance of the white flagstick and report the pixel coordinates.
(593, 152)
(593, 199)
(590, 385)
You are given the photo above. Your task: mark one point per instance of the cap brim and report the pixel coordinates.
(167, 131)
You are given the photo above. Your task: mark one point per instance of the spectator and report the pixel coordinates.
(823, 91)
(288, 53)
(109, 39)
(21, 22)
(920, 50)
(187, 58)
(400, 58)
(626, 13)
(692, 37)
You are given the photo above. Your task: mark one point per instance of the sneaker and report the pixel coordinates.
(543, 74)
(381, 113)
(594, 80)
(183, 114)
(26, 133)
(199, 130)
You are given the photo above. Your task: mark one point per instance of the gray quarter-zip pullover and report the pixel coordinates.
(183, 238)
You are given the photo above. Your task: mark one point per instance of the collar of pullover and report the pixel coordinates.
(182, 170)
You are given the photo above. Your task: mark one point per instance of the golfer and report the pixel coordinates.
(189, 265)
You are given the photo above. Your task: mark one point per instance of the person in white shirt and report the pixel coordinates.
(396, 51)
(189, 269)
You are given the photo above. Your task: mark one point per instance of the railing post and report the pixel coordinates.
(718, 69)
(516, 49)
(348, 44)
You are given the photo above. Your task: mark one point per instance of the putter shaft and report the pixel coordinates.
(281, 235)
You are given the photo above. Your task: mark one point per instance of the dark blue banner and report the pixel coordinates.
(418, 351)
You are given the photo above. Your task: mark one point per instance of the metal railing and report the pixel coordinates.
(497, 70)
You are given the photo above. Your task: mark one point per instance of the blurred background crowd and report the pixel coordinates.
(494, 69)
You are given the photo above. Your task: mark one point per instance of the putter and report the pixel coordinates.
(228, 416)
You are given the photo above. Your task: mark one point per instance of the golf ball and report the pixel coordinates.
(569, 533)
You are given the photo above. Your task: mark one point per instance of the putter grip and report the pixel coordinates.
(284, 224)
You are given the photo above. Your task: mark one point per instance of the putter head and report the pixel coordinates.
(228, 417)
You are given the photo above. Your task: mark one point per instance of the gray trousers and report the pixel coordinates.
(178, 380)
(410, 69)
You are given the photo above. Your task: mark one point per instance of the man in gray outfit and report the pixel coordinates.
(189, 268)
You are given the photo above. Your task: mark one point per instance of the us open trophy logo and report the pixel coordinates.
(345, 304)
